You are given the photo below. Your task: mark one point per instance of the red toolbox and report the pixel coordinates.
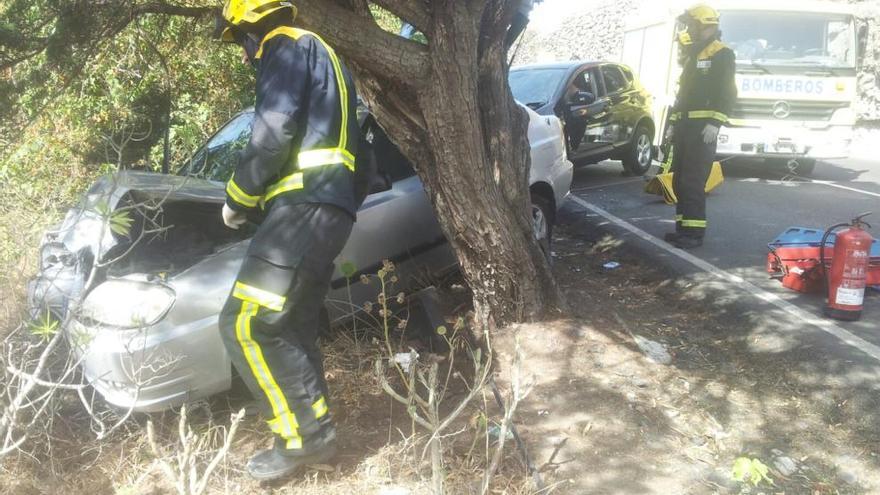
(794, 258)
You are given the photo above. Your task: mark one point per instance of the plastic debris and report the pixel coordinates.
(406, 359)
(494, 431)
(611, 265)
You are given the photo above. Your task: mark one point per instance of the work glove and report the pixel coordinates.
(233, 219)
(710, 133)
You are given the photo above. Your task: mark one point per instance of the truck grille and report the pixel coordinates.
(798, 110)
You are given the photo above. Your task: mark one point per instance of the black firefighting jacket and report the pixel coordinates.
(305, 131)
(707, 87)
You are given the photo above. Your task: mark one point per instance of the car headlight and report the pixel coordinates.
(127, 303)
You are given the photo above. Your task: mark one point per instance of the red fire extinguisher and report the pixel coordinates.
(846, 280)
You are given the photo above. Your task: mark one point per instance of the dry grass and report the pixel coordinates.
(380, 449)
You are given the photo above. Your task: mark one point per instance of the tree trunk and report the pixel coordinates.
(456, 120)
(478, 180)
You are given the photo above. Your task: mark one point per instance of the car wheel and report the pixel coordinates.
(542, 223)
(639, 156)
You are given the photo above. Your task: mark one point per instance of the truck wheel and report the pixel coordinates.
(542, 224)
(806, 168)
(639, 156)
(803, 167)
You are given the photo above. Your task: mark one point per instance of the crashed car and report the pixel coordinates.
(161, 263)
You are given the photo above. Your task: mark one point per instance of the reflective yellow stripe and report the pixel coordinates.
(287, 427)
(239, 196)
(707, 114)
(292, 182)
(259, 297)
(679, 218)
(296, 34)
(675, 116)
(320, 407)
(254, 356)
(329, 156)
(697, 224)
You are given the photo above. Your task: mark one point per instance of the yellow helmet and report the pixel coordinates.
(238, 12)
(704, 14)
(700, 14)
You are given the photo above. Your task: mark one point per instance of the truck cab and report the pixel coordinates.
(795, 74)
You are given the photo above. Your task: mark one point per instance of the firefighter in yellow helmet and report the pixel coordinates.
(297, 172)
(706, 94)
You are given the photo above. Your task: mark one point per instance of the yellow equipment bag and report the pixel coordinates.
(661, 184)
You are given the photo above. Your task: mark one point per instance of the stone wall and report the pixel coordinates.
(595, 32)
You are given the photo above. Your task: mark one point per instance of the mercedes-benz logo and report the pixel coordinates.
(782, 109)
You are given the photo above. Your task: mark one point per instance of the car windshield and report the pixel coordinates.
(535, 87)
(216, 160)
(791, 38)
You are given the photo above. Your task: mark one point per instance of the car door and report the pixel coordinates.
(637, 103)
(620, 94)
(584, 111)
(396, 223)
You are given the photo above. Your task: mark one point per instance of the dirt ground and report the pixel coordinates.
(603, 418)
(607, 419)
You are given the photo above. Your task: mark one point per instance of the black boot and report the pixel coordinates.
(687, 242)
(269, 464)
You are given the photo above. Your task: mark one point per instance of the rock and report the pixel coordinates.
(698, 441)
(655, 351)
(723, 480)
(786, 466)
(846, 469)
(848, 477)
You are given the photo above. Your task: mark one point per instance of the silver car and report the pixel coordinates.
(162, 263)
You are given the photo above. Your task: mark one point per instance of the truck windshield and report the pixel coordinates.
(791, 38)
(535, 87)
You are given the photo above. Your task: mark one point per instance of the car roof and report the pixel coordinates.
(560, 65)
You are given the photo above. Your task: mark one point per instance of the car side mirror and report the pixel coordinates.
(583, 98)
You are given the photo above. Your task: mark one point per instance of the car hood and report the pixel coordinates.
(86, 226)
(158, 186)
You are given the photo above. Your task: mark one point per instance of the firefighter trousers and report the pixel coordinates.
(692, 163)
(270, 321)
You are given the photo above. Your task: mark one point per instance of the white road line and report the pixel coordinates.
(833, 184)
(602, 186)
(736, 281)
(804, 180)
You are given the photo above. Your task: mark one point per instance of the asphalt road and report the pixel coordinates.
(749, 210)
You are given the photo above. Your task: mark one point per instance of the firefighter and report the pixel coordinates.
(706, 94)
(297, 172)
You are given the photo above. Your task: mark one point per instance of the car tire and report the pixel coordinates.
(542, 224)
(639, 155)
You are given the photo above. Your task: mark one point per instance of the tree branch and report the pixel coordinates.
(415, 12)
(363, 41)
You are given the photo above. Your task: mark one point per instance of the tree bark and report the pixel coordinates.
(458, 123)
